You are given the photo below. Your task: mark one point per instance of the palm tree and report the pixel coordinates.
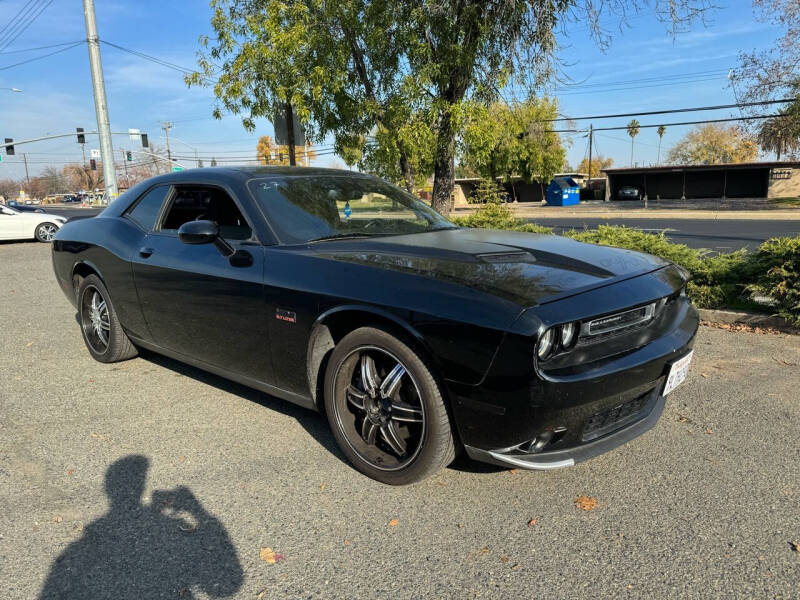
(633, 131)
(779, 134)
(660, 131)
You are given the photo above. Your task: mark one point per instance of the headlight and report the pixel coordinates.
(569, 335)
(546, 343)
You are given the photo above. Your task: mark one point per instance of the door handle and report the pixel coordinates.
(145, 252)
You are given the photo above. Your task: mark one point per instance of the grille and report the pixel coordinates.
(616, 417)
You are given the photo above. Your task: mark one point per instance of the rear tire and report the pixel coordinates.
(386, 409)
(100, 327)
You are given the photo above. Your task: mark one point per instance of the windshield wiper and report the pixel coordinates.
(342, 236)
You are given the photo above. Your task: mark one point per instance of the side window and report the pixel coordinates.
(145, 211)
(197, 203)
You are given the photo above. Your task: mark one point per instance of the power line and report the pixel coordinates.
(158, 61)
(30, 60)
(25, 26)
(41, 47)
(672, 110)
(689, 122)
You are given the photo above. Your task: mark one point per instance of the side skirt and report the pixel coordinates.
(300, 400)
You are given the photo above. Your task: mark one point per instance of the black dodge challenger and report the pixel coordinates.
(416, 338)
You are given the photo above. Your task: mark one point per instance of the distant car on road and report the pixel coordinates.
(25, 207)
(18, 225)
(629, 192)
(67, 199)
(415, 337)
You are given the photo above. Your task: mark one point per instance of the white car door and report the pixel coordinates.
(12, 225)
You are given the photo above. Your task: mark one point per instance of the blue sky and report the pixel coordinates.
(57, 90)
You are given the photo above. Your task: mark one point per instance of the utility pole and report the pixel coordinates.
(100, 102)
(25, 160)
(590, 152)
(167, 126)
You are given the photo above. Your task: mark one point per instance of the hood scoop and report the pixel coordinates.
(516, 256)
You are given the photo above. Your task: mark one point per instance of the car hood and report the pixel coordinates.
(524, 268)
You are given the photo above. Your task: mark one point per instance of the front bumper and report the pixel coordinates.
(567, 457)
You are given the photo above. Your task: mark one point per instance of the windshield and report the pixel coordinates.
(304, 209)
(10, 211)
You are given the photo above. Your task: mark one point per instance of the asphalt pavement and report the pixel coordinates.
(150, 479)
(719, 235)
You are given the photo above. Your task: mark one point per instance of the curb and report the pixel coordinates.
(751, 319)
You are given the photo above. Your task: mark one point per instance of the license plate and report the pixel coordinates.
(677, 373)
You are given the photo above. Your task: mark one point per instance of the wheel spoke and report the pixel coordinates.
(392, 382)
(369, 375)
(405, 412)
(368, 431)
(103, 336)
(356, 397)
(392, 437)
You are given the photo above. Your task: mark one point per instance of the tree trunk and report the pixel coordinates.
(408, 174)
(290, 134)
(443, 166)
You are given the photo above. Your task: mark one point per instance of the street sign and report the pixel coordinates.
(95, 153)
(176, 168)
(134, 134)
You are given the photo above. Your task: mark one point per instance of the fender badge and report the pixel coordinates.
(285, 315)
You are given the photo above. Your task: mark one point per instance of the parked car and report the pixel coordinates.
(629, 192)
(416, 338)
(18, 225)
(24, 207)
(68, 199)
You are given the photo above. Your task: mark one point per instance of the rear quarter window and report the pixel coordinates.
(145, 211)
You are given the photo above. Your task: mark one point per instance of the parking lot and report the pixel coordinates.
(707, 504)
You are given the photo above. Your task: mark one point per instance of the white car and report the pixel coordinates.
(16, 225)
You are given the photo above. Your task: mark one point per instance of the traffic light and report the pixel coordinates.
(129, 155)
(144, 140)
(81, 137)
(9, 147)
(93, 164)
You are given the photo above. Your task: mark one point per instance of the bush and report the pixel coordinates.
(498, 216)
(487, 192)
(722, 281)
(775, 272)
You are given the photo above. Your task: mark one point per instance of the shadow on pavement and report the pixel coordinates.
(170, 547)
(314, 423)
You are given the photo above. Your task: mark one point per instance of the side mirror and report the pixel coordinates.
(204, 232)
(198, 232)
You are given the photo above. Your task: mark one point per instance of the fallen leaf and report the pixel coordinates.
(585, 502)
(709, 431)
(270, 557)
(515, 566)
(182, 459)
(682, 419)
(262, 594)
(460, 525)
(70, 471)
(29, 344)
(100, 437)
(394, 523)
(532, 522)
(322, 487)
(795, 546)
(485, 550)
(513, 471)
(504, 559)
(57, 519)
(703, 375)
(347, 542)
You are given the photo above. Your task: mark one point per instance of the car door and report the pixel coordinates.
(197, 302)
(11, 225)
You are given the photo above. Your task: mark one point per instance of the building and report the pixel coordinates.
(731, 180)
(517, 189)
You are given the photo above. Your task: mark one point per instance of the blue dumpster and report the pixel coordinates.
(563, 191)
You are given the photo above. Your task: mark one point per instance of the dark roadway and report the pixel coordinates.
(719, 235)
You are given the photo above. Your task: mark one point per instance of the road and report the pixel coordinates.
(150, 479)
(717, 235)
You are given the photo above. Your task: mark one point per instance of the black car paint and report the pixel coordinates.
(474, 301)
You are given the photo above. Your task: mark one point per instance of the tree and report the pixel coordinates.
(81, 177)
(660, 131)
(53, 181)
(269, 153)
(713, 144)
(633, 130)
(213, 162)
(9, 188)
(512, 139)
(780, 135)
(599, 162)
(351, 67)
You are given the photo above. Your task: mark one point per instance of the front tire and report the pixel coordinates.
(385, 408)
(101, 329)
(45, 232)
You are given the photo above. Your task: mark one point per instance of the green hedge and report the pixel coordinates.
(722, 281)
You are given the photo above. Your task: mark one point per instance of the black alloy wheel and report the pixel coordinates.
(386, 409)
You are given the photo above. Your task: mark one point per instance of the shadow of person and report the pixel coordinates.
(169, 548)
